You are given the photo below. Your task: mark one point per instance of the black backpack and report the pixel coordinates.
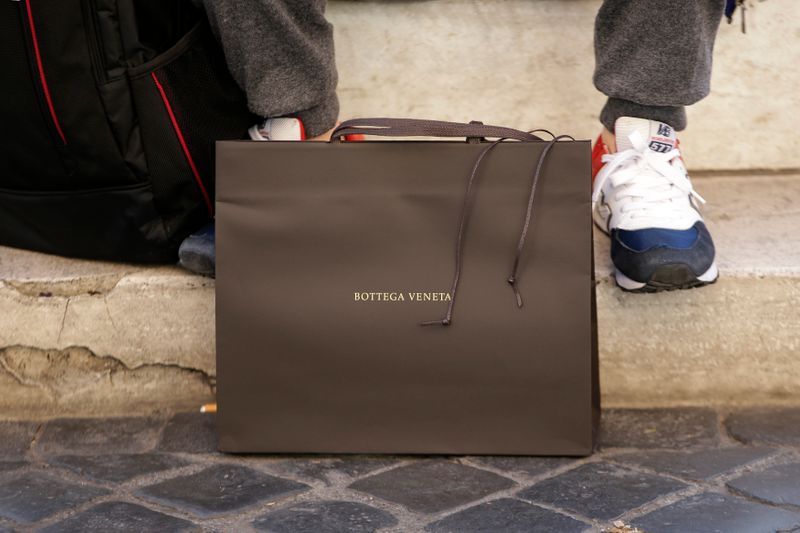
(110, 110)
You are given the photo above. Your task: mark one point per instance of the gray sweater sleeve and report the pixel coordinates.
(281, 53)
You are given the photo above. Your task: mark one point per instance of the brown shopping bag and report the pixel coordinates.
(406, 296)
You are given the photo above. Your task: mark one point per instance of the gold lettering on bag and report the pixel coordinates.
(429, 296)
(396, 296)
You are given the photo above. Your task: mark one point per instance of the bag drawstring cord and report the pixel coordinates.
(512, 279)
(466, 210)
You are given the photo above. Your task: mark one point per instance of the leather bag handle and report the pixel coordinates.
(410, 127)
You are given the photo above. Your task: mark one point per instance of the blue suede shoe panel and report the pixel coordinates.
(642, 240)
(641, 265)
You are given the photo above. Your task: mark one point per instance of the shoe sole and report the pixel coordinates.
(197, 263)
(666, 278)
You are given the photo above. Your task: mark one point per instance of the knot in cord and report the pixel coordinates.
(513, 282)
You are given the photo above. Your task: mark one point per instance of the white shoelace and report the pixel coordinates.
(646, 184)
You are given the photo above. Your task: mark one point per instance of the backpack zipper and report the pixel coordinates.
(48, 99)
(95, 41)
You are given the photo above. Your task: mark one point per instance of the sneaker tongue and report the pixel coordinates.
(660, 137)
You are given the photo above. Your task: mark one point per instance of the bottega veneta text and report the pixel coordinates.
(402, 296)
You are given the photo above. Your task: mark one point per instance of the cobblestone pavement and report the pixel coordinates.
(673, 470)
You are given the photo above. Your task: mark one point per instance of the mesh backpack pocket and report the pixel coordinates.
(186, 100)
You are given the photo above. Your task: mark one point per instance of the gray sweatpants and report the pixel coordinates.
(653, 57)
(281, 53)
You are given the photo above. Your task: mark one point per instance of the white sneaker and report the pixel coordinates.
(643, 199)
(278, 129)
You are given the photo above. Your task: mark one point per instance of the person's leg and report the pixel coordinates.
(281, 53)
(653, 58)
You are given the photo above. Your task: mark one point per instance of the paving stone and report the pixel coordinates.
(16, 437)
(220, 489)
(34, 496)
(678, 442)
(717, 513)
(412, 485)
(93, 435)
(325, 517)
(658, 428)
(190, 433)
(121, 516)
(779, 484)
(508, 516)
(697, 465)
(766, 425)
(119, 467)
(322, 468)
(7, 466)
(532, 466)
(600, 490)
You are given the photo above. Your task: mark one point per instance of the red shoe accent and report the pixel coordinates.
(302, 129)
(600, 149)
(354, 137)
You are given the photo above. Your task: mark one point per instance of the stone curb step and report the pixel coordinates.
(737, 341)
(90, 338)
